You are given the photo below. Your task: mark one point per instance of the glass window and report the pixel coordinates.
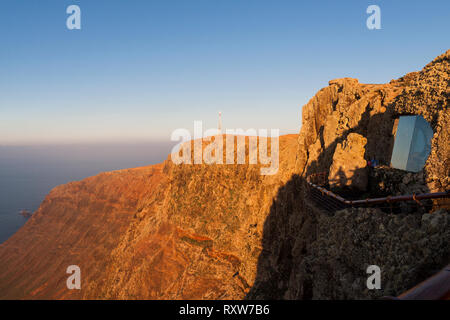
(412, 144)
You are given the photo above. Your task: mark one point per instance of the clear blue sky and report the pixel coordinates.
(139, 69)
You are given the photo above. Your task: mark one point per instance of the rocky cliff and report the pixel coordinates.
(226, 232)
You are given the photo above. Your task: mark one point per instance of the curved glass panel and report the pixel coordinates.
(412, 144)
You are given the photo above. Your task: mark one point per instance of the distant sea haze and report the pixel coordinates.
(28, 173)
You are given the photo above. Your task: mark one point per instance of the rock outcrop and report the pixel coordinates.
(347, 106)
(226, 232)
(349, 168)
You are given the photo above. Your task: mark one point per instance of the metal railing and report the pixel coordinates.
(332, 201)
(437, 287)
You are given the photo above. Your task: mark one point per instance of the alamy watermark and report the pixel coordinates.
(208, 147)
(74, 280)
(374, 20)
(374, 280)
(74, 20)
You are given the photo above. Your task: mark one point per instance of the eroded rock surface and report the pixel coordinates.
(349, 168)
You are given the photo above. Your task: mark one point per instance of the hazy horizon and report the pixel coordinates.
(28, 173)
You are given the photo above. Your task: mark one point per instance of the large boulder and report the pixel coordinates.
(349, 168)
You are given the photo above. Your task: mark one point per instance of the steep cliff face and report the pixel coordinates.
(160, 232)
(225, 231)
(79, 223)
(205, 241)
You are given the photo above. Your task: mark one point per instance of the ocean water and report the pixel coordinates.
(28, 173)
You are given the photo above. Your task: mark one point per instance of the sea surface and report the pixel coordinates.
(28, 173)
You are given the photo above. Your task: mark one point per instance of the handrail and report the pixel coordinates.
(413, 196)
(388, 199)
(437, 287)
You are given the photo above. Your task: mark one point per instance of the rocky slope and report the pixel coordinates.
(225, 231)
(79, 223)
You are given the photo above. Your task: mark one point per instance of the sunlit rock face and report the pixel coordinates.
(226, 232)
(349, 168)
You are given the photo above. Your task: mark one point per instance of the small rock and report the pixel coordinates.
(407, 178)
